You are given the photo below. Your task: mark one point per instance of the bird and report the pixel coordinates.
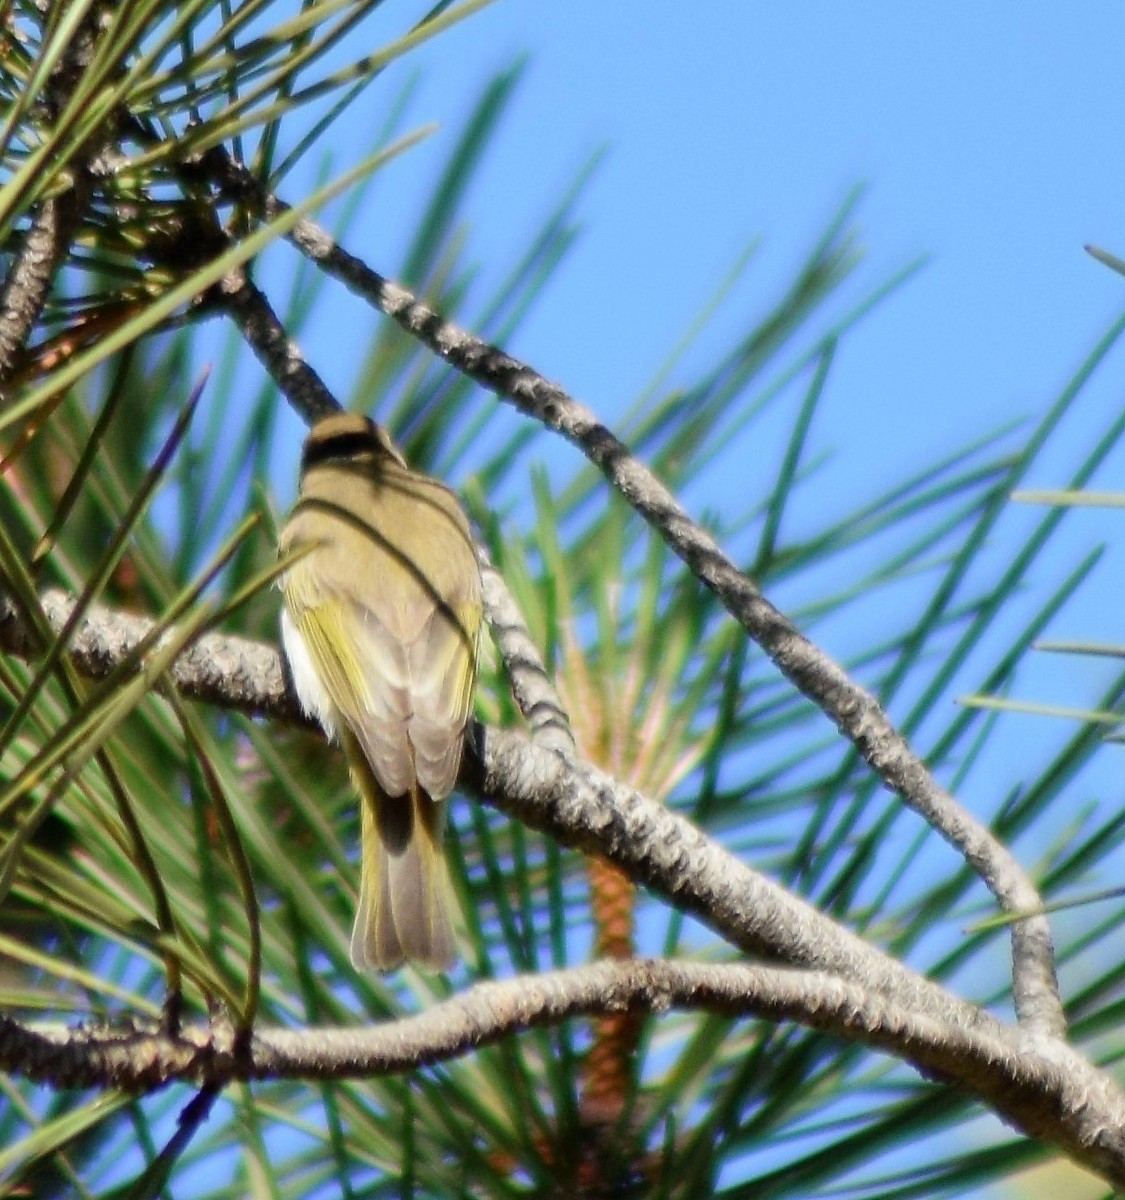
(380, 624)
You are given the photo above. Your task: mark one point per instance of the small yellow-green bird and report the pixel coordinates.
(381, 625)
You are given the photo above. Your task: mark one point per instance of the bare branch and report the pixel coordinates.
(141, 1058)
(278, 353)
(583, 807)
(55, 221)
(1048, 1093)
(531, 685)
(28, 283)
(230, 672)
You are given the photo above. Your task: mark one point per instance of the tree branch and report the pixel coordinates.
(1054, 1095)
(53, 225)
(583, 807)
(229, 672)
(278, 353)
(28, 283)
(531, 685)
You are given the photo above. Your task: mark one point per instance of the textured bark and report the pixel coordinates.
(609, 1068)
(1036, 1084)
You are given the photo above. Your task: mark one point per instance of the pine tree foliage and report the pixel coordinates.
(166, 862)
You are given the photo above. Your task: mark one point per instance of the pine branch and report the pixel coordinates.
(36, 263)
(531, 685)
(264, 333)
(1037, 1085)
(56, 219)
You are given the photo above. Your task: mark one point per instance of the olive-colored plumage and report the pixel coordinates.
(380, 625)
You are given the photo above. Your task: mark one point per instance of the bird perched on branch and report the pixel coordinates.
(381, 625)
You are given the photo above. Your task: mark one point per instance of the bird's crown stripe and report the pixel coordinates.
(343, 445)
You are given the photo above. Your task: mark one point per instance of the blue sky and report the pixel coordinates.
(987, 136)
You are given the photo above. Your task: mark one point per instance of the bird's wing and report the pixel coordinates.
(442, 665)
(364, 672)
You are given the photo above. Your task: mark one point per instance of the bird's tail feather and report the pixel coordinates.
(405, 894)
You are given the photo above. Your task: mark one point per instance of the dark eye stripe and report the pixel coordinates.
(342, 446)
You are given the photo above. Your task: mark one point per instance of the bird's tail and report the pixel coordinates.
(405, 893)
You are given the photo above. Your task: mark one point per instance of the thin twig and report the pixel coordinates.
(55, 222)
(28, 283)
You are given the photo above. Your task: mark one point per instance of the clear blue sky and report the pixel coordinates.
(988, 137)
